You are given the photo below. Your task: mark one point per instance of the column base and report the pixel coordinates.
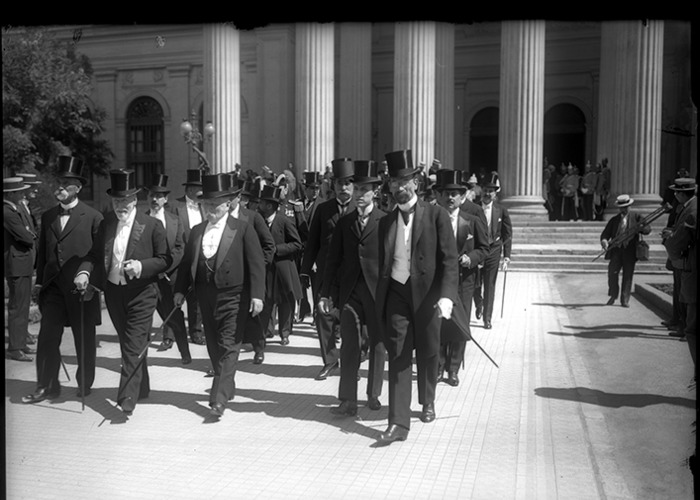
(526, 207)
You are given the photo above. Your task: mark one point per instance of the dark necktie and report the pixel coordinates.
(362, 220)
(407, 213)
(64, 211)
(342, 209)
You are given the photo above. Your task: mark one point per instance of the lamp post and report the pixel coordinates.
(192, 136)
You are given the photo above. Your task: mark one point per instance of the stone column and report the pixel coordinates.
(521, 117)
(355, 91)
(314, 96)
(414, 89)
(222, 96)
(630, 105)
(445, 96)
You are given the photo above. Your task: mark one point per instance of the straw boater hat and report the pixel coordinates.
(400, 164)
(123, 183)
(342, 168)
(468, 179)
(159, 183)
(12, 184)
(623, 200)
(70, 167)
(449, 179)
(215, 186)
(29, 179)
(194, 177)
(366, 172)
(683, 184)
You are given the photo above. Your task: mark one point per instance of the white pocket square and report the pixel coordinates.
(470, 236)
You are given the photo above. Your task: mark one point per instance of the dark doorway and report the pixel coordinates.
(144, 148)
(565, 136)
(483, 142)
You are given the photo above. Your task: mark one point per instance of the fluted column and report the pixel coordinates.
(222, 95)
(632, 110)
(355, 91)
(314, 96)
(414, 90)
(521, 117)
(445, 96)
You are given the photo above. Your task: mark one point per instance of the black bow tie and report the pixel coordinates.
(64, 211)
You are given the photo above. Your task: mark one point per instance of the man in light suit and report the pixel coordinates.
(136, 253)
(224, 265)
(69, 268)
(175, 329)
(472, 247)
(189, 211)
(19, 257)
(352, 267)
(417, 287)
(315, 252)
(500, 236)
(625, 227)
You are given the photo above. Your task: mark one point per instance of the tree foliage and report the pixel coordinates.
(46, 105)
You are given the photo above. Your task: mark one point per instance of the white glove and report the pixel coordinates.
(256, 307)
(133, 268)
(464, 260)
(604, 244)
(81, 281)
(506, 261)
(444, 306)
(325, 305)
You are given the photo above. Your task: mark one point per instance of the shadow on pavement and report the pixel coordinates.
(611, 400)
(603, 334)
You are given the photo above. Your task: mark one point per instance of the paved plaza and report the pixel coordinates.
(588, 402)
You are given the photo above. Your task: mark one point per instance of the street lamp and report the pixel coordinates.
(192, 136)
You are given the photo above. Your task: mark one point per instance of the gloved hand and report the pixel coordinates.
(444, 306)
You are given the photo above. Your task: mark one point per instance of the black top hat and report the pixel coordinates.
(29, 179)
(194, 177)
(400, 164)
(312, 179)
(449, 179)
(234, 183)
(366, 172)
(683, 184)
(271, 193)
(215, 186)
(11, 184)
(493, 182)
(123, 183)
(343, 168)
(159, 184)
(70, 167)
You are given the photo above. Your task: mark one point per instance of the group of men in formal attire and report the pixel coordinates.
(385, 284)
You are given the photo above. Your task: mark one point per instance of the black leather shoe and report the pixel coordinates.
(479, 311)
(393, 433)
(284, 341)
(128, 405)
(452, 379)
(186, 359)
(610, 301)
(258, 358)
(217, 410)
(165, 345)
(487, 324)
(18, 356)
(676, 333)
(199, 340)
(31, 339)
(625, 304)
(428, 413)
(345, 409)
(80, 393)
(28, 350)
(441, 372)
(326, 371)
(40, 395)
(374, 404)
(671, 324)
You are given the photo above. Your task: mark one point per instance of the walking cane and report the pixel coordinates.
(81, 299)
(503, 295)
(65, 369)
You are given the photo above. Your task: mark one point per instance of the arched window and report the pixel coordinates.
(483, 142)
(144, 139)
(565, 135)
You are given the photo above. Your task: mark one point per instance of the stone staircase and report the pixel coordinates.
(543, 246)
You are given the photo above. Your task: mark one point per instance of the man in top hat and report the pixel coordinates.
(189, 212)
(69, 268)
(136, 254)
(19, 257)
(499, 231)
(619, 240)
(315, 253)
(223, 264)
(681, 245)
(472, 246)
(469, 205)
(349, 283)
(282, 285)
(417, 286)
(312, 188)
(174, 330)
(254, 330)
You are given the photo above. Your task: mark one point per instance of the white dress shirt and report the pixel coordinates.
(121, 240)
(454, 217)
(212, 237)
(63, 219)
(487, 211)
(194, 214)
(401, 265)
(158, 214)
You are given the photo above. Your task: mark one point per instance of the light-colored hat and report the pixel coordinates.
(683, 184)
(623, 200)
(30, 179)
(11, 184)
